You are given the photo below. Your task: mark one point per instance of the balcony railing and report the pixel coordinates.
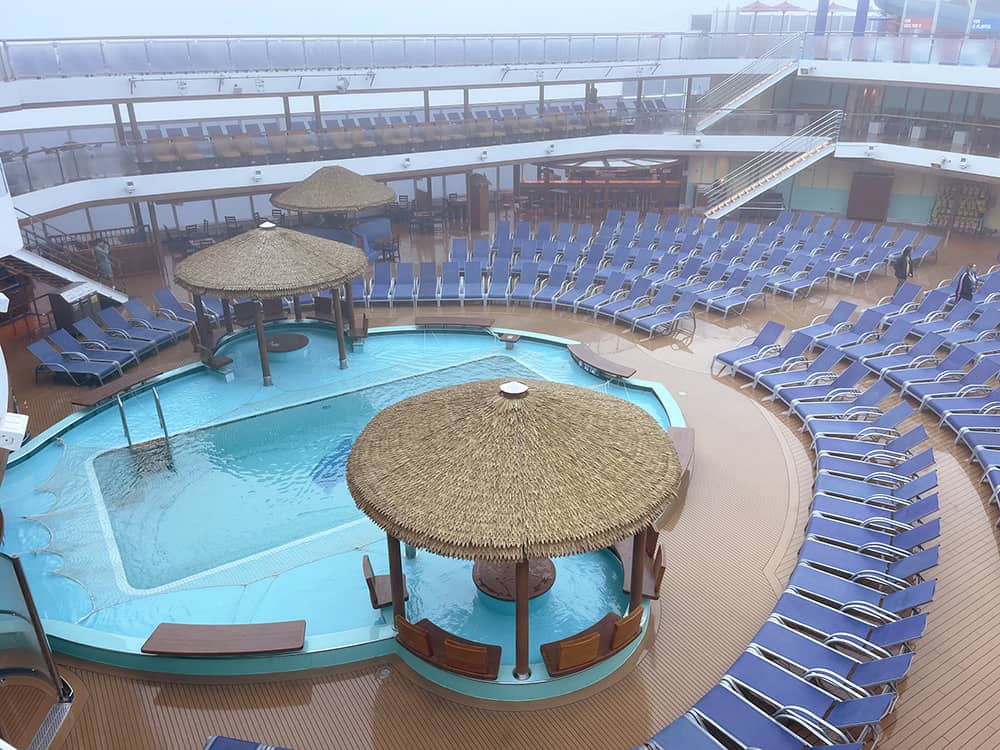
(55, 58)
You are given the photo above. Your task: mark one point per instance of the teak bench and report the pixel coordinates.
(595, 644)
(112, 389)
(448, 651)
(176, 639)
(452, 321)
(598, 365)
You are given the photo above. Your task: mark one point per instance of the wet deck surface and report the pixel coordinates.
(728, 550)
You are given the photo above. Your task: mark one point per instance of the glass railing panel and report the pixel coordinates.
(33, 59)
(356, 53)
(449, 51)
(505, 50)
(389, 52)
(557, 49)
(208, 55)
(322, 53)
(168, 56)
(581, 49)
(419, 51)
(248, 54)
(649, 47)
(609, 48)
(946, 51)
(81, 58)
(286, 54)
(531, 50)
(917, 50)
(886, 49)
(126, 56)
(479, 51)
(980, 52)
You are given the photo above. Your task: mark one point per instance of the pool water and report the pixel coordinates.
(243, 514)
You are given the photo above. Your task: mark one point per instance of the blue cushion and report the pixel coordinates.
(228, 743)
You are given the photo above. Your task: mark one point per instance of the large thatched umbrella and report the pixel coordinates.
(335, 190)
(267, 263)
(512, 472)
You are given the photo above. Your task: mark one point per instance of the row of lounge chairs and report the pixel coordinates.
(825, 667)
(95, 354)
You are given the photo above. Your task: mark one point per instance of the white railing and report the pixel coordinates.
(821, 132)
(785, 51)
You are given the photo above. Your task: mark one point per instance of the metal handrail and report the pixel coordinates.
(720, 94)
(827, 129)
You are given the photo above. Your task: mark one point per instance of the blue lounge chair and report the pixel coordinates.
(173, 308)
(732, 285)
(970, 383)
(684, 732)
(943, 322)
(866, 401)
(498, 289)
(618, 262)
(877, 343)
(554, 285)
(138, 311)
(848, 560)
(909, 512)
(928, 247)
(403, 288)
(822, 388)
(791, 352)
(136, 329)
(903, 356)
(929, 368)
(524, 289)
(76, 367)
(612, 287)
(860, 447)
(661, 302)
(867, 324)
(359, 290)
(583, 285)
(982, 328)
(381, 291)
(740, 298)
(883, 485)
(803, 372)
(94, 351)
(902, 297)
(451, 283)
(979, 401)
(881, 531)
(472, 283)
(882, 424)
(637, 295)
(114, 340)
(669, 321)
(427, 283)
(713, 279)
(931, 304)
(875, 463)
(212, 306)
(838, 590)
(802, 284)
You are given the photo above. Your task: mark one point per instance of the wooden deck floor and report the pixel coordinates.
(728, 550)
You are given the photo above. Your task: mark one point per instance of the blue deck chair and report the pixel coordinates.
(661, 302)
(904, 356)
(459, 252)
(824, 224)
(76, 368)
(867, 324)
(764, 343)
(887, 507)
(138, 311)
(713, 279)
(502, 232)
(849, 560)
(956, 411)
(878, 461)
(867, 401)
(899, 535)
(990, 289)
(629, 226)
(859, 447)
(862, 490)
(831, 322)
(877, 343)
(618, 262)
(806, 281)
(799, 264)
(672, 222)
(732, 284)
(381, 291)
(958, 316)
(584, 232)
(451, 283)
(973, 381)
(669, 321)
(751, 257)
(684, 732)
(738, 300)
(359, 290)
(928, 247)
(173, 308)
(427, 282)
(822, 385)
(564, 233)
(403, 288)
(554, 285)
(802, 373)
(612, 219)
(883, 670)
(582, 286)
(550, 254)
(641, 265)
(524, 289)
(932, 302)
(212, 306)
(842, 590)
(472, 283)
(793, 351)
(522, 234)
(637, 295)
(613, 288)
(136, 329)
(114, 340)
(930, 368)
(760, 676)
(801, 608)
(543, 232)
(498, 289)
(885, 424)
(481, 253)
(94, 351)
(503, 256)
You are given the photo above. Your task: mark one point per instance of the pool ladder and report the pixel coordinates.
(159, 413)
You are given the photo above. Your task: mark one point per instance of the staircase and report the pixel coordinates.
(777, 63)
(764, 171)
(27, 263)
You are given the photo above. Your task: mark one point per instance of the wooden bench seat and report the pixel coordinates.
(448, 651)
(598, 365)
(652, 565)
(379, 587)
(452, 321)
(594, 644)
(97, 395)
(177, 639)
(683, 439)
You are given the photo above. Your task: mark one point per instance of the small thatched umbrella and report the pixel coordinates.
(512, 472)
(267, 263)
(335, 190)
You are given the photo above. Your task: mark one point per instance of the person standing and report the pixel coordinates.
(967, 281)
(903, 266)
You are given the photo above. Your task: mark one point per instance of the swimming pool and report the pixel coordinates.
(242, 514)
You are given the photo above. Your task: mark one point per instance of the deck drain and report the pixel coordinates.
(383, 672)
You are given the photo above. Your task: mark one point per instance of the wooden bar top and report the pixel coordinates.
(176, 639)
(449, 321)
(591, 361)
(97, 395)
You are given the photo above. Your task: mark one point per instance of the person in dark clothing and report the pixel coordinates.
(967, 281)
(903, 266)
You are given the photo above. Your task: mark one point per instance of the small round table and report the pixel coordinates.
(281, 343)
(497, 579)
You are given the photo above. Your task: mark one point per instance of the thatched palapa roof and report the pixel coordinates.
(270, 262)
(334, 190)
(467, 472)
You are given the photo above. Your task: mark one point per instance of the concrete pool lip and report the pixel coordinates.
(327, 649)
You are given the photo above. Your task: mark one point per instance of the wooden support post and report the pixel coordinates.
(521, 669)
(317, 115)
(427, 105)
(288, 113)
(202, 326)
(465, 103)
(396, 578)
(297, 306)
(133, 124)
(349, 293)
(638, 93)
(338, 317)
(154, 226)
(638, 558)
(258, 320)
(119, 125)
(541, 100)
(227, 316)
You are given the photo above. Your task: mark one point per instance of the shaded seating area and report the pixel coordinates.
(448, 651)
(379, 587)
(595, 644)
